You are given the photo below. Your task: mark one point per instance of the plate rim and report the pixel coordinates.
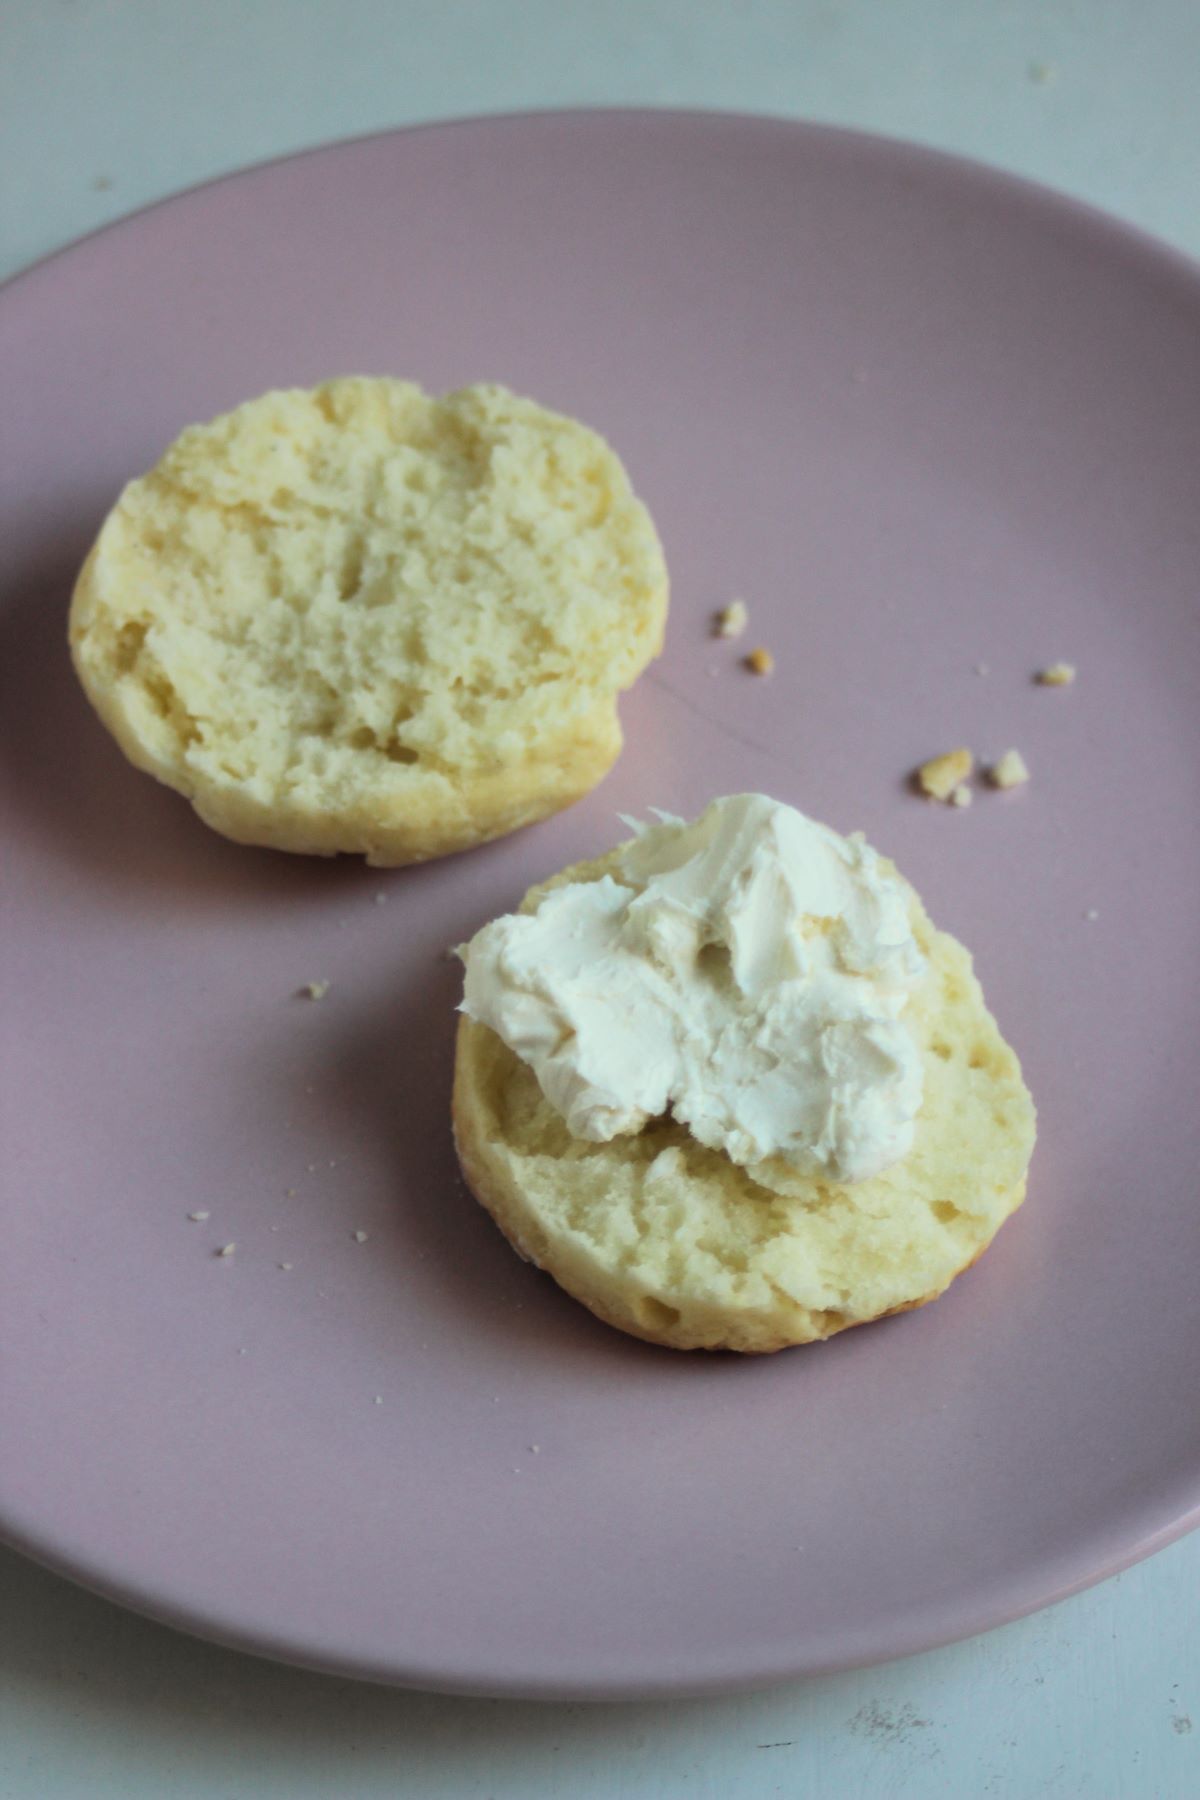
(1085, 213)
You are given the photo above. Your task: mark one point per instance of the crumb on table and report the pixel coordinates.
(314, 990)
(360, 1237)
(962, 795)
(197, 1218)
(1009, 770)
(732, 620)
(226, 1250)
(942, 775)
(760, 661)
(1059, 674)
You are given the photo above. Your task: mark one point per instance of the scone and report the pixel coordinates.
(364, 619)
(846, 1133)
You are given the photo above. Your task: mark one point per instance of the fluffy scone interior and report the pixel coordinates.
(677, 1244)
(360, 618)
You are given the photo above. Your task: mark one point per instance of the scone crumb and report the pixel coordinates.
(962, 795)
(379, 1399)
(732, 620)
(1059, 674)
(942, 775)
(227, 1250)
(981, 668)
(198, 1218)
(760, 661)
(1009, 771)
(380, 897)
(314, 990)
(360, 1237)
(1092, 914)
(286, 1267)
(1042, 73)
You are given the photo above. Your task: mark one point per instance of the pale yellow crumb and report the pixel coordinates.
(941, 775)
(314, 990)
(1042, 73)
(1092, 914)
(732, 620)
(1059, 674)
(962, 795)
(360, 1237)
(286, 1266)
(227, 1250)
(760, 661)
(198, 1217)
(1009, 771)
(379, 1399)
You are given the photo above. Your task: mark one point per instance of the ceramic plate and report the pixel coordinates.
(928, 422)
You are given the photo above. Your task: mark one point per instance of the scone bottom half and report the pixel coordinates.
(674, 1243)
(363, 619)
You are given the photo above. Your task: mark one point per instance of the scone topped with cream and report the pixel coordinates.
(732, 1089)
(361, 618)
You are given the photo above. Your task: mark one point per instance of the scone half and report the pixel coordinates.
(363, 619)
(676, 1244)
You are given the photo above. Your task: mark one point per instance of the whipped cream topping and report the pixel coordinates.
(747, 972)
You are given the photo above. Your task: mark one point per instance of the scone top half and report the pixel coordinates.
(765, 1173)
(360, 618)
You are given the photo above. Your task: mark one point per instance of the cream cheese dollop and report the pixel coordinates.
(747, 972)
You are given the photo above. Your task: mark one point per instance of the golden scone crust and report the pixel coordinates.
(360, 618)
(674, 1243)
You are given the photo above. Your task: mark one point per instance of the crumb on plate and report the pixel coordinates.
(941, 775)
(732, 620)
(760, 661)
(1009, 770)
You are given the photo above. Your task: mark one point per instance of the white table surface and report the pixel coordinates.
(106, 104)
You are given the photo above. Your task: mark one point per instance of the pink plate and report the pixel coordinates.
(922, 418)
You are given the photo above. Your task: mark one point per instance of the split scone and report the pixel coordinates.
(731, 1087)
(364, 619)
